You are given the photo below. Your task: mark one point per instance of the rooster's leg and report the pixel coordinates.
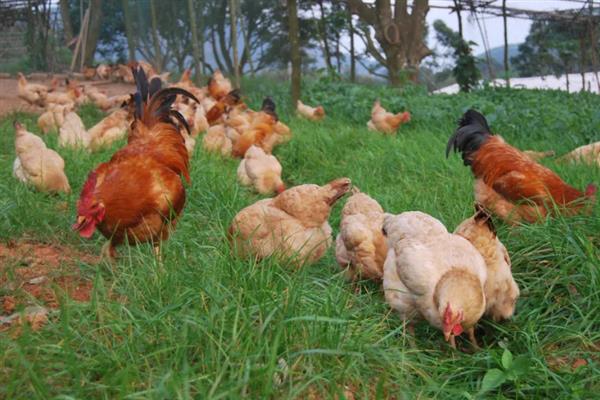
(472, 338)
(158, 253)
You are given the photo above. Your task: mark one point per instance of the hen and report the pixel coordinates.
(33, 93)
(110, 129)
(361, 248)
(311, 113)
(508, 182)
(72, 133)
(138, 195)
(588, 154)
(38, 165)
(219, 86)
(386, 122)
(291, 225)
(53, 118)
(261, 131)
(260, 170)
(433, 274)
(501, 290)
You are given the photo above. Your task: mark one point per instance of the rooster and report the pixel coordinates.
(138, 195)
(260, 132)
(311, 113)
(232, 98)
(508, 182)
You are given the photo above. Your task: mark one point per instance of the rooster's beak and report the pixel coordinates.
(447, 336)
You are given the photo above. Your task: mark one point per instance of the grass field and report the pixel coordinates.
(205, 325)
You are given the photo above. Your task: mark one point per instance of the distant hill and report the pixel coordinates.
(497, 53)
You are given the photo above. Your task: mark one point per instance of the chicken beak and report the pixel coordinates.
(77, 225)
(447, 336)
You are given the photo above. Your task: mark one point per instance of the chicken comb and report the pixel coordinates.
(472, 132)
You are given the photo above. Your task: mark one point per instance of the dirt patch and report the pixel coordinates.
(32, 272)
(10, 101)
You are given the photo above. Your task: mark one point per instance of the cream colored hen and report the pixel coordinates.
(290, 225)
(311, 113)
(501, 290)
(110, 129)
(386, 122)
(33, 93)
(53, 118)
(38, 165)
(361, 248)
(433, 274)
(72, 133)
(260, 170)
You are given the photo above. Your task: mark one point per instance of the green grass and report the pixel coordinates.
(207, 325)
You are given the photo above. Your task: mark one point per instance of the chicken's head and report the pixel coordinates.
(90, 212)
(451, 323)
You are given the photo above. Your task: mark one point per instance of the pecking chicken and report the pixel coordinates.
(72, 133)
(219, 86)
(501, 290)
(291, 225)
(261, 131)
(433, 274)
(73, 96)
(33, 93)
(312, 113)
(53, 118)
(361, 248)
(260, 170)
(508, 182)
(138, 195)
(215, 113)
(588, 154)
(103, 71)
(38, 165)
(386, 122)
(111, 128)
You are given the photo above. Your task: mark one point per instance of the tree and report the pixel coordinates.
(93, 31)
(234, 37)
(294, 36)
(465, 71)
(66, 19)
(196, 47)
(400, 34)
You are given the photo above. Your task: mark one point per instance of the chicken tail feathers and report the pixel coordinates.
(471, 133)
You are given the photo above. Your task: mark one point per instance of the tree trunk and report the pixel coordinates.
(352, 55)
(93, 31)
(506, 68)
(294, 35)
(323, 32)
(234, 38)
(567, 76)
(457, 7)
(195, 44)
(594, 54)
(582, 59)
(131, 45)
(155, 39)
(401, 35)
(66, 20)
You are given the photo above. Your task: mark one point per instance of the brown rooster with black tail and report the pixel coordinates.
(138, 195)
(508, 182)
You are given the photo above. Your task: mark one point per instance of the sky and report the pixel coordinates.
(517, 28)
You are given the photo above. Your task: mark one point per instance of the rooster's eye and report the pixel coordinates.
(384, 231)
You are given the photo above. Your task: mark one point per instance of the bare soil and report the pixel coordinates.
(10, 101)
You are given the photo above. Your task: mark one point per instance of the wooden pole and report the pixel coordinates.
(195, 43)
(295, 59)
(234, 46)
(457, 7)
(352, 54)
(506, 71)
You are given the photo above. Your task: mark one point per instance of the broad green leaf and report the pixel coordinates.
(521, 365)
(492, 379)
(507, 359)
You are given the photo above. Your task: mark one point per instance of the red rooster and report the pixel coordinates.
(138, 194)
(508, 182)
(213, 116)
